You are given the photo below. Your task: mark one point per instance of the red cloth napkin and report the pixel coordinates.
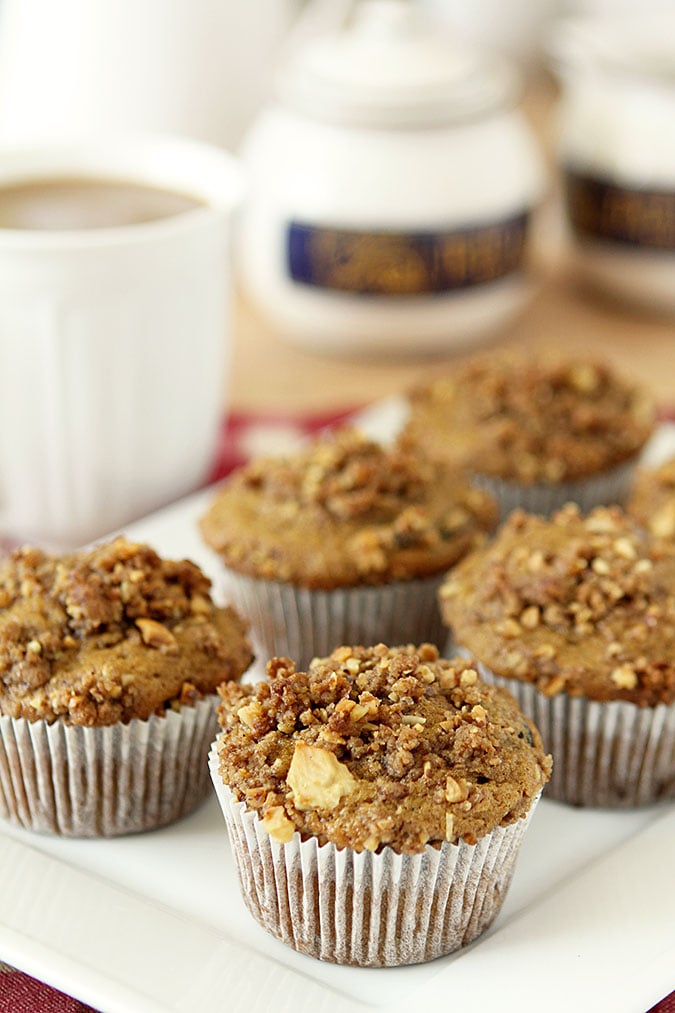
(21, 994)
(243, 436)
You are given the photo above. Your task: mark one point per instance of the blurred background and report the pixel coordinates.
(210, 69)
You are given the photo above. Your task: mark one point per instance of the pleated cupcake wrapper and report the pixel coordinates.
(611, 754)
(295, 622)
(365, 909)
(101, 782)
(611, 486)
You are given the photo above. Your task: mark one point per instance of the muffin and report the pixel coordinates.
(652, 499)
(345, 541)
(535, 431)
(576, 617)
(375, 803)
(110, 662)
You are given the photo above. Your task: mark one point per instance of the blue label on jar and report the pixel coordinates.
(600, 209)
(404, 263)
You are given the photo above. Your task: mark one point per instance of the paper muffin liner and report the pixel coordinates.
(610, 754)
(299, 623)
(607, 487)
(365, 909)
(105, 781)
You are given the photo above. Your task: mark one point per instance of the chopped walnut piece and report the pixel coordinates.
(624, 547)
(154, 634)
(624, 677)
(454, 791)
(317, 778)
(277, 824)
(250, 713)
(510, 628)
(529, 617)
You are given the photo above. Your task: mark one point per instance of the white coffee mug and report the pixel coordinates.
(113, 343)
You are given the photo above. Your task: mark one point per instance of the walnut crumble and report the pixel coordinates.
(533, 419)
(574, 604)
(110, 634)
(379, 746)
(346, 511)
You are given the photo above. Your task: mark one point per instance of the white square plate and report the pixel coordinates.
(155, 921)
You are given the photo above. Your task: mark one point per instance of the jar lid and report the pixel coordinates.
(640, 47)
(387, 67)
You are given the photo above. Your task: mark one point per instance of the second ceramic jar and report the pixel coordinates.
(392, 186)
(617, 152)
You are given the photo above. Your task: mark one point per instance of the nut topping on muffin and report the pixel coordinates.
(345, 511)
(379, 746)
(531, 419)
(110, 634)
(578, 604)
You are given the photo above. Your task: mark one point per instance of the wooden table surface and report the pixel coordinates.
(270, 375)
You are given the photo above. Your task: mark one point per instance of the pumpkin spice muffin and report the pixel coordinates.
(110, 660)
(652, 499)
(344, 541)
(536, 431)
(576, 617)
(376, 802)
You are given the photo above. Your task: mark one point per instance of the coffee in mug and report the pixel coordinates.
(71, 203)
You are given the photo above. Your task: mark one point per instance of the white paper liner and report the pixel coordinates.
(611, 486)
(298, 623)
(101, 782)
(365, 909)
(611, 754)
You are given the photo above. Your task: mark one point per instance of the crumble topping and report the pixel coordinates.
(531, 419)
(581, 605)
(110, 634)
(346, 511)
(379, 746)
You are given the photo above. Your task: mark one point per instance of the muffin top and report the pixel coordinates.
(346, 511)
(531, 419)
(652, 501)
(110, 634)
(574, 604)
(379, 746)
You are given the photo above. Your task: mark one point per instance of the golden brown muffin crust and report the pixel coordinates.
(581, 605)
(379, 746)
(652, 501)
(110, 634)
(344, 512)
(531, 419)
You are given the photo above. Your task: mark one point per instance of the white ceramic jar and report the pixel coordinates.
(617, 152)
(391, 191)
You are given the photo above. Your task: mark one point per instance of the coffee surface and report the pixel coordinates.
(71, 203)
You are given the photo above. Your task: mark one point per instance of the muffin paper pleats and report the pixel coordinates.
(299, 623)
(367, 909)
(611, 486)
(613, 754)
(105, 781)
